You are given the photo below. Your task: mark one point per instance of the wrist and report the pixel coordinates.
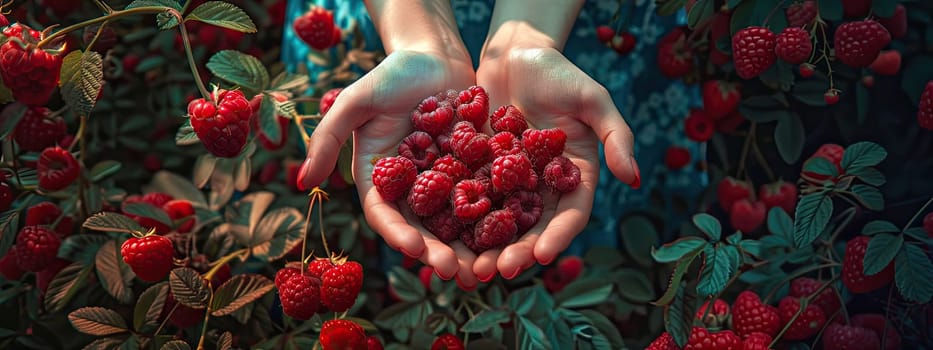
(417, 25)
(514, 27)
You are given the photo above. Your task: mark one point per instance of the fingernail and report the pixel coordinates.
(546, 262)
(409, 254)
(486, 278)
(462, 286)
(438, 273)
(303, 174)
(636, 183)
(514, 274)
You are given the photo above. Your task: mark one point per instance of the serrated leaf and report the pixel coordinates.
(149, 211)
(186, 136)
(225, 342)
(239, 291)
(485, 320)
(881, 251)
(286, 226)
(166, 20)
(869, 196)
(708, 225)
(676, 279)
(868, 175)
(879, 226)
(403, 315)
(678, 318)
(701, 10)
(789, 137)
(223, 14)
(605, 327)
(812, 214)
(534, 337)
(268, 120)
(676, 250)
(405, 284)
(240, 69)
(862, 154)
(82, 77)
(113, 276)
(104, 169)
(81, 247)
(188, 287)
(288, 81)
(584, 292)
(112, 222)
(65, 285)
(149, 306)
(779, 223)
(820, 166)
(175, 345)
(9, 117)
(913, 274)
(97, 321)
(155, 3)
(716, 272)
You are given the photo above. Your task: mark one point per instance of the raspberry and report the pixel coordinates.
(340, 285)
(300, 295)
(452, 167)
(4, 21)
(887, 63)
(45, 213)
(880, 325)
(831, 96)
(543, 145)
(675, 58)
(853, 268)
(146, 222)
(451, 97)
(9, 269)
(57, 169)
(497, 229)
(801, 13)
(663, 342)
(731, 190)
(284, 274)
(36, 248)
(508, 118)
(150, 257)
(473, 106)
(429, 193)
(447, 341)
(793, 45)
(897, 23)
(925, 109)
(561, 175)
(468, 238)
(420, 149)
(35, 131)
(750, 315)
(373, 343)
(471, 147)
(757, 341)
(807, 323)
(393, 176)
(432, 116)
(720, 98)
(858, 43)
(470, 201)
(342, 335)
(328, 100)
(779, 194)
(157, 199)
(829, 151)
(504, 143)
(443, 144)
(806, 70)
(702, 339)
(676, 157)
(512, 172)
(747, 215)
(605, 33)
(720, 309)
(753, 51)
(846, 337)
(182, 213)
(318, 266)
(567, 270)
(623, 43)
(222, 128)
(184, 317)
(444, 225)
(699, 126)
(826, 300)
(316, 28)
(30, 73)
(526, 207)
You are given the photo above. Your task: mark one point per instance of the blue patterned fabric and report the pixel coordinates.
(653, 105)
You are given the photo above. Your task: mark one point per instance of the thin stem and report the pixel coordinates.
(320, 221)
(223, 261)
(194, 66)
(794, 275)
(803, 302)
(760, 157)
(917, 214)
(849, 214)
(167, 317)
(745, 147)
(79, 136)
(304, 240)
(111, 16)
(299, 121)
(96, 36)
(207, 316)
(825, 52)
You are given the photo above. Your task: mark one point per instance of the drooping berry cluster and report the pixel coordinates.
(483, 190)
(324, 285)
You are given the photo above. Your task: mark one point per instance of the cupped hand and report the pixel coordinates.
(552, 92)
(376, 109)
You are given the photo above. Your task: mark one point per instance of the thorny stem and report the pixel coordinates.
(917, 214)
(111, 16)
(794, 275)
(803, 302)
(194, 66)
(745, 148)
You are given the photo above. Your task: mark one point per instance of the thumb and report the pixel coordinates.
(341, 120)
(616, 136)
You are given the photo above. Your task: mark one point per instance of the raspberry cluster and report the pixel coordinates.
(325, 285)
(484, 190)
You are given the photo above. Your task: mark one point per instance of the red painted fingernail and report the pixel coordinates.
(302, 174)
(636, 183)
(514, 274)
(438, 273)
(546, 262)
(486, 278)
(409, 254)
(465, 288)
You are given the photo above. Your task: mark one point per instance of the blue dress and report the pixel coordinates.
(655, 110)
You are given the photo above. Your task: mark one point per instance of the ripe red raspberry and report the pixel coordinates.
(222, 128)
(699, 126)
(471, 147)
(753, 51)
(182, 213)
(316, 28)
(757, 341)
(504, 143)
(849, 337)
(470, 201)
(146, 222)
(453, 168)
(887, 63)
(45, 213)
(780, 194)
(793, 45)
(508, 118)
(150, 257)
(447, 341)
(340, 285)
(720, 310)
(526, 207)
(897, 23)
(731, 190)
(300, 295)
(328, 100)
(35, 131)
(57, 169)
(561, 175)
(30, 73)
(497, 229)
(430, 193)
(420, 149)
(858, 43)
(676, 157)
(264, 140)
(675, 57)
(284, 274)
(801, 14)
(831, 152)
(4, 21)
(826, 300)
(806, 70)
(567, 270)
(451, 97)
(9, 269)
(6, 197)
(373, 343)
(468, 237)
(925, 109)
(442, 142)
(393, 176)
(623, 43)
(831, 96)
(605, 33)
(928, 224)
(432, 116)
(880, 325)
(342, 334)
(543, 145)
(750, 315)
(444, 225)
(157, 199)
(853, 273)
(747, 215)
(720, 98)
(663, 342)
(473, 106)
(512, 172)
(807, 323)
(702, 339)
(37, 248)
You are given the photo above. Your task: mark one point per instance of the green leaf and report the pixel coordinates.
(166, 20)
(522, 300)
(717, 270)
(534, 337)
(676, 250)
(881, 251)
(149, 306)
(82, 76)
(269, 120)
(9, 117)
(779, 223)
(669, 7)
(677, 278)
(155, 3)
(584, 292)
(810, 92)
(240, 69)
(81, 247)
(284, 228)
(175, 345)
(913, 274)
(879, 226)
(868, 175)
(830, 9)
(634, 285)
(403, 315)
(287, 81)
(813, 213)
(789, 137)
(883, 8)
(754, 13)
(238, 291)
(115, 276)
(185, 135)
(708, 225)
(149, 211)
(485, 320)
(405, 284)
(774, 101)
(862, 154)
(868, 196)
(678, 317)
(104, 169)
(65, 285)
(97, 321)
(112, 222)
(638, 237)
(223, 14)
(702, 10)
(188, 287)
(6, 96)
(820, 166)
(605, 327)
(751, 246)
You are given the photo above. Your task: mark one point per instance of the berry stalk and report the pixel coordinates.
(223, 261)
(804, 302)
(194, 66)
(108, 17)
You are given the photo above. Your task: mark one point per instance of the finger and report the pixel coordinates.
(347, 114)
(385, 218)
(517, 256)
(604, 118)
(466, 279)
(441, 257)
(570, 216)
(485, 266)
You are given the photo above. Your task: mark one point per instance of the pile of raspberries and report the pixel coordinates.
(464, 184)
